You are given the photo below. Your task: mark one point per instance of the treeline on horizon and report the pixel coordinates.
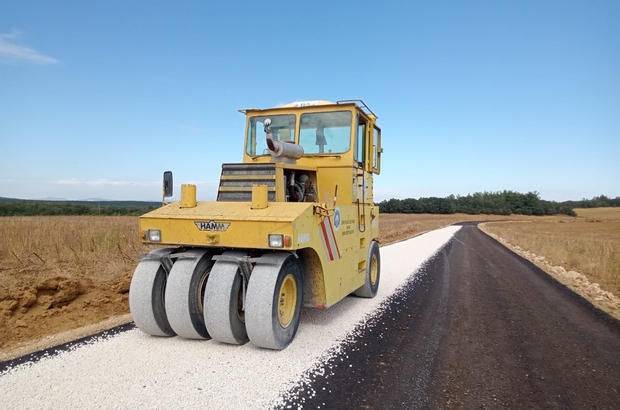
(49, 208)
(490, 203)
(493, 203)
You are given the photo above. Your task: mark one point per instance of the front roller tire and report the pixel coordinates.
(185, 292)
(373, 273)
(274, 300)
(146, 295)
(224, 317)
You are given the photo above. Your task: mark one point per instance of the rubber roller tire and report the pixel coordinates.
(222, 304)
(369, 288)
(263, 300)
(147, 297)
(184, 293)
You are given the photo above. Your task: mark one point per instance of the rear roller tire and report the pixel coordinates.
(373, 273)
(224, 316)
(185, 293)
(274, 300)
(147, 295)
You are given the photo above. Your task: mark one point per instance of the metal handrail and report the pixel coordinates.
(362, 105)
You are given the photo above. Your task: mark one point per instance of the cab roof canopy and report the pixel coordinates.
(300, 104)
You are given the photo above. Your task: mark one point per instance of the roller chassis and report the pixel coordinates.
(236, 287)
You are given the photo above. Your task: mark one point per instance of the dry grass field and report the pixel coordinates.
(395, 227)
(34, 248)
(589, 244)
(61, 273)
(599, 214)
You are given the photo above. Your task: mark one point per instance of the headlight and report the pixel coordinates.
(153, 235)
(276, 241)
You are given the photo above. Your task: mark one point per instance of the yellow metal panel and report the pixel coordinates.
(232, 211)
(280, 194)
(239, 234)
(328, 178)
(340, 276)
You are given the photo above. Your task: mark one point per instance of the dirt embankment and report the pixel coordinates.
(58, 304)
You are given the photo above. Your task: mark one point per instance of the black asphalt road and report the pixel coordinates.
(481, 328)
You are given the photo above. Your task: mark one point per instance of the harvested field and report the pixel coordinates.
(396, 227)
(588, 244)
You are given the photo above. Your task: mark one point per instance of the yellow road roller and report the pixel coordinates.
(293, 225)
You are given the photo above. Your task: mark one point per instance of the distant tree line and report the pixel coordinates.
(101, 202)
(596, 202)
(492, 203)
(35, 208)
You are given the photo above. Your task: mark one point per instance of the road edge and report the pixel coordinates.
(64, 338)
(36, 356)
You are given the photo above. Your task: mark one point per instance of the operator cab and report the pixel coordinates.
(304, 150)
(339, 131)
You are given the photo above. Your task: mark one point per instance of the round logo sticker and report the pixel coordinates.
(337, 218)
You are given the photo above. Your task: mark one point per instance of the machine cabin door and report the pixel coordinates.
(375, 150)
(361, 159)
(362, 171)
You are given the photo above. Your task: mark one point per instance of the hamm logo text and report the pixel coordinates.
(212, 226)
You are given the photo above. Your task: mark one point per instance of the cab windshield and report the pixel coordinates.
(283, 127)
(320, 133)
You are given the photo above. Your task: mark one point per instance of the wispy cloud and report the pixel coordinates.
(110, 189)
(119, 182)
(10, 49)
(106, 182)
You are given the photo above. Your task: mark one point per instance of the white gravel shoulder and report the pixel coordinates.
(133, 370)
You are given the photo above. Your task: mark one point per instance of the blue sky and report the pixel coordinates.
(97, 99)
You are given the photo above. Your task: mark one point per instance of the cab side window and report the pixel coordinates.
(360, 141)
(376, 138)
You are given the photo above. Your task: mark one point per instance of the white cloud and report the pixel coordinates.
(110, 189)
(192, 128)
(121, 182)
(106, 182)
(11, 50)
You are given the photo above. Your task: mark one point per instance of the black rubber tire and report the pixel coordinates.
(261, 316)
(183, 294)
(146, 295)
(369, 289)
(222, 302)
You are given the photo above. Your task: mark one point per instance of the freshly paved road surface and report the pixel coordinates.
(480, 328)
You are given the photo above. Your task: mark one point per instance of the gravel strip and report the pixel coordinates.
(133, 370)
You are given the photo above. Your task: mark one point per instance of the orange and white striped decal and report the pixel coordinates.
(328, 237)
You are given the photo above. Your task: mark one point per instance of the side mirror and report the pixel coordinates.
(167, 184)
